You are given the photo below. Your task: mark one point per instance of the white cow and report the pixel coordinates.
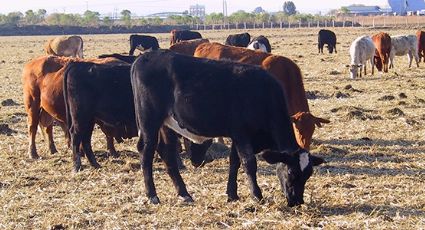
(361, 50)
(402, 45)
(68, 46)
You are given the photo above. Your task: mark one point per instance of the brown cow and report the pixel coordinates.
(68, 46)
(421, 44)
(286, 72)
(188, 47)
(382, 43)
(43, 96)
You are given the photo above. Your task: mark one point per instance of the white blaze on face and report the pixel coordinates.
(171, 123)
(304, 160)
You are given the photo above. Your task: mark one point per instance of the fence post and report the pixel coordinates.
(406, 21)
(326, 23)
(385, 23)
(299, 24)
(271, 25)
(343, 22)
(352, 22)
(281, 24)
(333, 23)
(289, 24)
(308, 24)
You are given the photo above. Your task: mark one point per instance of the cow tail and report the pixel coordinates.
(68, 121)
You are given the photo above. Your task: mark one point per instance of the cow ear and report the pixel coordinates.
(273, 157)
(315, 161)
(296, 117)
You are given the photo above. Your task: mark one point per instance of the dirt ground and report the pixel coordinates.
(374, 147)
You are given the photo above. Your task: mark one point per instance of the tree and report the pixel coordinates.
(289, 8)
(41, 14)
(107, 21)
(344, 10)
(126, 17)
(91, 18)
(30, 17)
(13, 18)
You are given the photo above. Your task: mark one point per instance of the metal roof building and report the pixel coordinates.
(402, 6)
(364, 10)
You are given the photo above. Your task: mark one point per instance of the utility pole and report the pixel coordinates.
(87, 5)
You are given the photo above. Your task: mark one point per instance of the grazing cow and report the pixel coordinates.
(201, 99)
(326, 37)
(97, 93)
(361, 50)
(143, 42)
(68, 46)
(382, 43)
(188, 47)
(402, 45)
(260, 43)
(239, 40)
(183, 35)
(125, 58)
(286, 72)
(43, 97)
(421, 44)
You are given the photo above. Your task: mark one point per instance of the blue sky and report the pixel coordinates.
(144, 7)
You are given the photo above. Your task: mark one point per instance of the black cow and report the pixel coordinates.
(240, 40)
(201, 99)
(125, 58)
(183, 35)
(326, 37)
(142, 41)
(257, 42)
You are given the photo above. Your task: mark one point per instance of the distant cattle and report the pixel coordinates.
(286, 72)
(404, 45)
(326, 37)
(260, 43)
(183, 35)
(239, 40)
(361, 50)
(125, 58)
(382, 43)
(68, 46)
(421, 44)
(43, 97)
(201, 99)
(143, 42)
(187, 47)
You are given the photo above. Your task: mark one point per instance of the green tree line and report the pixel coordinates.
(93, 19)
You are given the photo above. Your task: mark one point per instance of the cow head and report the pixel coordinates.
(330, 49)
(354, 70)
(304, 125)
(293, 171)
(378, 62)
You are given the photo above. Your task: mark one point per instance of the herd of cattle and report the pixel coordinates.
(381, 48)
(196, 90)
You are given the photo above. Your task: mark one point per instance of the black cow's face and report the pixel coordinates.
(330, 49)
(293, 172)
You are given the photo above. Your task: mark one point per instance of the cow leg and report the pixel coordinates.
(86, 144)
(46, 125)
(146, 146)
(76, 150)
(416, 58)
(169, 156)
(335, 48)
(132, 49)
(232, 184)
(111, 147)
(32, 107)
(249, 162)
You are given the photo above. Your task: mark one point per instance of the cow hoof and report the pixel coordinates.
(154, 200)
(186, 199)
(34, 156)
(232, 198)
(114, 154)
(53, 150)
(96, 165)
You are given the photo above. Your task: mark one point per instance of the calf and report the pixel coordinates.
(183, 35)
(239, 40)
(382, 43)
(42, 80)
(180, 92)
(361, 50)
(260, 43)
(402, 45)
(68, 46)
(326, 37)
(421, 44)
(97, 93)
(144, 42)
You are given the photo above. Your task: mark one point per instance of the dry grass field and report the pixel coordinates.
(374, 147)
